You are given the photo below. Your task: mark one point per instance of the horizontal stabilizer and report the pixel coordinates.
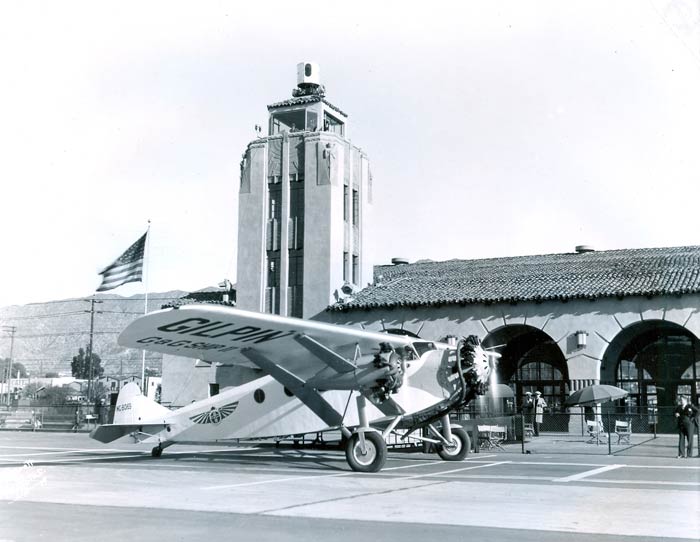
(110, 432)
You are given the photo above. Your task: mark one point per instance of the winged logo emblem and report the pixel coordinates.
(215, 415)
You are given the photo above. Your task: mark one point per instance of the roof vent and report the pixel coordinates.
(580, 249)
(399, 261)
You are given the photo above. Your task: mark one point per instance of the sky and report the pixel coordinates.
(493, 128)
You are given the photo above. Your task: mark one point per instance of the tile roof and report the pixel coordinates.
(588, 275)
(300, 100)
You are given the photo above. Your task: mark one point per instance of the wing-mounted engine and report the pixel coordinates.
(394, 369)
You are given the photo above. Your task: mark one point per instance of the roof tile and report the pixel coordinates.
(588, 275)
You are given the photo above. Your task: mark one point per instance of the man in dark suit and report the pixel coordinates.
(529, 409)
(686, 417)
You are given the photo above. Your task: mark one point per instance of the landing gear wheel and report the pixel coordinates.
(459, 448)
(374, 457)
(157, 451)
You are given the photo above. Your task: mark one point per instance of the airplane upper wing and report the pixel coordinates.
(303, 348)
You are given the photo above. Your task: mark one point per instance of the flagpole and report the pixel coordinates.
(145, 303)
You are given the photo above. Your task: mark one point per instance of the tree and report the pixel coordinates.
(80, 366)
(54, 395)
(18, 367)
(47, 396)
(3, 368)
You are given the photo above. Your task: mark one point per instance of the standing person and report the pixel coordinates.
(528, 408)
(540, 405)
(685, 414)
(77, 420)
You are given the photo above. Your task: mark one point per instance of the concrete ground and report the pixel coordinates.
(67, 487)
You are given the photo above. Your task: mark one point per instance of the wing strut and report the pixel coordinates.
(307, 395)
(335, 361)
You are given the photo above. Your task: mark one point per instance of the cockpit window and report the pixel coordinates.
(402, 332)
(423, 346)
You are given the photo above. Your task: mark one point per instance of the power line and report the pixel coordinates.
(73, 313)
(43, 315)
(106, 300)
(103, 359)
(67, 333)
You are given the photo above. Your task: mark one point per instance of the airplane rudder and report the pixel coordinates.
(124, 411)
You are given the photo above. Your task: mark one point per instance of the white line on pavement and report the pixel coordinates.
(295, 478)
(280, 480)
(645, 482)
(57, 450)
(441, 473)
(586, 474)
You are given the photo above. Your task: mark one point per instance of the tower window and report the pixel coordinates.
(355, 208)
(346, 203)
(346, 261)
(355, 269)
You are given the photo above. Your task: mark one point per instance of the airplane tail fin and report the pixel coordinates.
(133, 412)
(134, 409)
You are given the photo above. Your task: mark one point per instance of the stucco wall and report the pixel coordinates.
(602, 319)
(251, 212)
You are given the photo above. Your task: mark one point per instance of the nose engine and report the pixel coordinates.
(476, 365)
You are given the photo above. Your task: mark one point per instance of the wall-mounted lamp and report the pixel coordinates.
(581, 337)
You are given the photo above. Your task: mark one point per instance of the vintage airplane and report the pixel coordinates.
(301, 376)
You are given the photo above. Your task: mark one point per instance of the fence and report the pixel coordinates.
(65, 417)
(611, 431)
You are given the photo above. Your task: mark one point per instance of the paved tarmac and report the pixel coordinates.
(68, 487)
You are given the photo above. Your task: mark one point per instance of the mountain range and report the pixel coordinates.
(48, 335)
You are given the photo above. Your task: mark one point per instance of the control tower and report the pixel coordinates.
(304, 207)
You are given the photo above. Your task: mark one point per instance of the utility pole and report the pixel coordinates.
(88, 354)
(8, 370)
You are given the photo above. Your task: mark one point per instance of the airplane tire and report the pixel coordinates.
(460, 446)
(373, 459)
(157, 451)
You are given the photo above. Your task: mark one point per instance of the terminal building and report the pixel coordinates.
(560, 321)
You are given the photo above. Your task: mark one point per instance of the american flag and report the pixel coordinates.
(127, 268)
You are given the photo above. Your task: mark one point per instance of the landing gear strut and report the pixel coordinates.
(455, 441)
(458, 447)
(366, 449)
(367, 456)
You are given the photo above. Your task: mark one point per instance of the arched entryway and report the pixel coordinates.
(530, 361)
(655, 361)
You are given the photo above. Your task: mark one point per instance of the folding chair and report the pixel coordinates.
(596, 432)
(623, 431)
(491, 436)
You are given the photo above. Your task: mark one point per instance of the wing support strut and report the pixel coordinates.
(335, 361)
(307, 395)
